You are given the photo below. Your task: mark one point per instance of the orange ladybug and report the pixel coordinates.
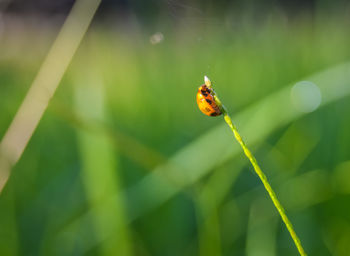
(206, 101)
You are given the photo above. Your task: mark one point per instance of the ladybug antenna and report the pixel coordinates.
(207, 81)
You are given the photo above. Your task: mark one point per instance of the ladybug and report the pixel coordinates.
(206, 101)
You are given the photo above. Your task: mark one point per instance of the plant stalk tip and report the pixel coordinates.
(207, 81)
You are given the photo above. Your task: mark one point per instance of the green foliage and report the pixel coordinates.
(139, 164)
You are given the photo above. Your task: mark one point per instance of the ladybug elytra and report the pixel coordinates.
(206, 101)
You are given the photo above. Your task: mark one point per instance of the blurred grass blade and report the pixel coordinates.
(44, 86)
(257, 122)
(100, 166)
(209, 237)
(9, 242)
(262, 230)
(195, 160)
(207, 202)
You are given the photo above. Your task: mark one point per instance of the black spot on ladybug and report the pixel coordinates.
(209, 101)
(207, 109)
(204, 93)
(213, 114)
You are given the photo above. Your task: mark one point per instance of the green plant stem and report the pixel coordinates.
(267, 185)
(259, 172)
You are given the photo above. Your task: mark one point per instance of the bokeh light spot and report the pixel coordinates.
(156, 38)
(306, 96)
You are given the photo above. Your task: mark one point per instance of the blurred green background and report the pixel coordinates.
(124, 163)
